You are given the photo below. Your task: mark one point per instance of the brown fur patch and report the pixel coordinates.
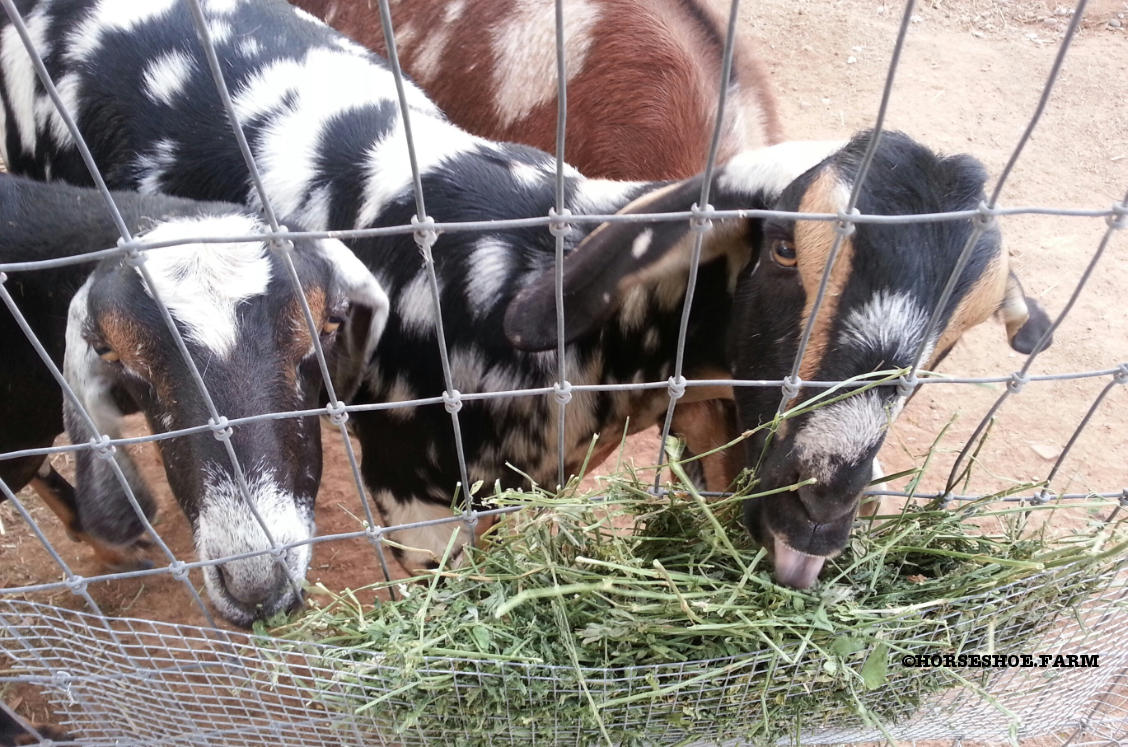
(661, 48)
(137, 348)
(981, 301)
(813, 243)
(110, 556)
(706, 426)
(297, 342)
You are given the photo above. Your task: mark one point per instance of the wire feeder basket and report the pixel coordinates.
(129, 681)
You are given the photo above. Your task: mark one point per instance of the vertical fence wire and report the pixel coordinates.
(844, 227)
(425, 237)
(699, 225)
(562, 388)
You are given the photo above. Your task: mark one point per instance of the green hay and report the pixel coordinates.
(641, 619)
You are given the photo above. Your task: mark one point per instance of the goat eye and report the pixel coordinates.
(105, 352)
(332, 324)
(783, 252)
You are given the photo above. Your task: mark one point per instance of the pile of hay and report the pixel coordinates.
(564, 625)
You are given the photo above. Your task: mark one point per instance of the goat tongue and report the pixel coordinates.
(795, 569)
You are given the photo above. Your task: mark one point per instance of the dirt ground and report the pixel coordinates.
(969, 79)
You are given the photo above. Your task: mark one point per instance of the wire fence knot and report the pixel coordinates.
(77, 584)
(452, 401)
(279, 243)
(470, 519)
(701, 220)
(558, 224)
(178, 569)
(1042, 497)
(103, 447)
(562, 392)
(425, 233)
(791, 387)
(1124, 498)
(1121, 375)
(61, 678)
(338, 415)
(676, 387)
(133, 256)
(845, 226)
(220, 429)
(906, 385)
(1119, 216)
(1016, 382)
(984, 216)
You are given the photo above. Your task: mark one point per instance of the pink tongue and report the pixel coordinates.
(796, 569)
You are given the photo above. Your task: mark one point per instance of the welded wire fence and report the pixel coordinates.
(113, 680)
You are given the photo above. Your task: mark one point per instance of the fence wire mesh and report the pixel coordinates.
(114, 679)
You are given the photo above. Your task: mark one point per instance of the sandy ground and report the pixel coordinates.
(969, 79)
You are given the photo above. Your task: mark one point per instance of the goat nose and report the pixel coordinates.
(249, 583)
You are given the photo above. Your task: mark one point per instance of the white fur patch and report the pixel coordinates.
(416, 307)
(224, 7)
(82, 368)
(891, 323)
(526, 174)
(489, 275)
(248, 46)
(602, 196)
(844, 432)
(3, 133)
(641, 243)
(770, 170)
(429, 52)
(524, 45)
(633, 308)
(226, 526)
(166, 75)
(152, 166)
(389, 167)
(19, 74)
(327, 82)
(111, 15)
(400, 391)
(47, 116)
(202, 284)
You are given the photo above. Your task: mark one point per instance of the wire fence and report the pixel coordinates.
(114, 680)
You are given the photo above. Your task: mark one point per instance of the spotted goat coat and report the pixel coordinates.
(322, 120)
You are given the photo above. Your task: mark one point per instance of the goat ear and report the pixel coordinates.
(367, 317)
(103, 508)
(618, 256)
(1025, 319)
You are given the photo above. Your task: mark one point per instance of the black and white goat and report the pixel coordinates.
(323, 123)
(244, 328)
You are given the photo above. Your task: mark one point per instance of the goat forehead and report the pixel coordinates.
(203, 284)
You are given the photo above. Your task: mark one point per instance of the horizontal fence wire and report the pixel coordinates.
(116, 680)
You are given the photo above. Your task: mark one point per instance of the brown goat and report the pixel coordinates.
(643, 76)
